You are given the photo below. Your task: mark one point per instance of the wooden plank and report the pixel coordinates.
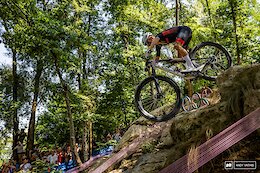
(85, 165)
(128, 150)
(117, 157)
(152, 131)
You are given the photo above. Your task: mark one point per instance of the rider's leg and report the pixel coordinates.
(188, 63)
(183, 38)
(184, 54)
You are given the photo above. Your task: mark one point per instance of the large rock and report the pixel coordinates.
(240, 88)
(240, 94)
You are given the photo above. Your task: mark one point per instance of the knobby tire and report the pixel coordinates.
(150, 115)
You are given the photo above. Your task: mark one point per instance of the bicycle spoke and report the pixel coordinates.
(217, 52)
(158, 100)
(153, 106)
(216, 56)
(221, 66)
(148, 105)
(147, 102)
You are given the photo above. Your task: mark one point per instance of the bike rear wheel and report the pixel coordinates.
(215, 58)
(158, 98)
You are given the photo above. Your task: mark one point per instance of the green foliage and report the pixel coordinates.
(148, 147)
(101, 145)
(7, 105)
(52, 126)
(42, 166)
(5, 145)
(100, 56)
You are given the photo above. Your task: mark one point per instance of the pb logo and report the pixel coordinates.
(228, 165)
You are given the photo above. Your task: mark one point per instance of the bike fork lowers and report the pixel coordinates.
(157, 86)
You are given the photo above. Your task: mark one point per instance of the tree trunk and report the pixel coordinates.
(67, 100)
(79, 80)
(211, 20)
(84, 69)
(177, 9)
(30, 138)
(87, 147)
(84, 141)
(90, 139)
(232, 5)
(209, 13)
(15, 99)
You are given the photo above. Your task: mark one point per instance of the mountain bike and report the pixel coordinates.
(158, 97)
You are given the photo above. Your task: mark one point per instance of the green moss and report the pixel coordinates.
(148, 147)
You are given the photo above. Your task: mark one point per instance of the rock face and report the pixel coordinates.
(239, 88)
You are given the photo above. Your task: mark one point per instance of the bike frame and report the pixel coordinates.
(152, 64)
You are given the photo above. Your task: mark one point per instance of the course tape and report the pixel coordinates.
(216, 145)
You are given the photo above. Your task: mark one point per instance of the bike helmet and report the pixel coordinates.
(145, 37)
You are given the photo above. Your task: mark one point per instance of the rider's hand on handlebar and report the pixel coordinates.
(157, 58)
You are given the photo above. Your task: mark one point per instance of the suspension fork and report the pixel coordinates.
(157, 86)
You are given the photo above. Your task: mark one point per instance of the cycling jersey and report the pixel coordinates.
(179, 34)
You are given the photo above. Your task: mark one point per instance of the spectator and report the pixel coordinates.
(25, 166)
(78, 147)
(34, 157)
(79, 151)
(60, 156)
(12, 166)
(16, 164)
(4, 168)
(117, 135)
(69, 154)
(52, 157)
(20, 151)
(36, 149)
(109, 137)
(44, 155)
(69, 158)
(35, 153)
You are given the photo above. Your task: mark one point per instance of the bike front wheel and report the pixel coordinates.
(158, 98)
(213, 57)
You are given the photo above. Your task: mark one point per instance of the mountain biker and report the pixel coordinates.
(180, 36)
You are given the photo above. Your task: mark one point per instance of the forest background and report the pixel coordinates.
(75, 63)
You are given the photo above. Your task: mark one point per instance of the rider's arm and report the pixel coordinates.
(154, 42)
(158, 51)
